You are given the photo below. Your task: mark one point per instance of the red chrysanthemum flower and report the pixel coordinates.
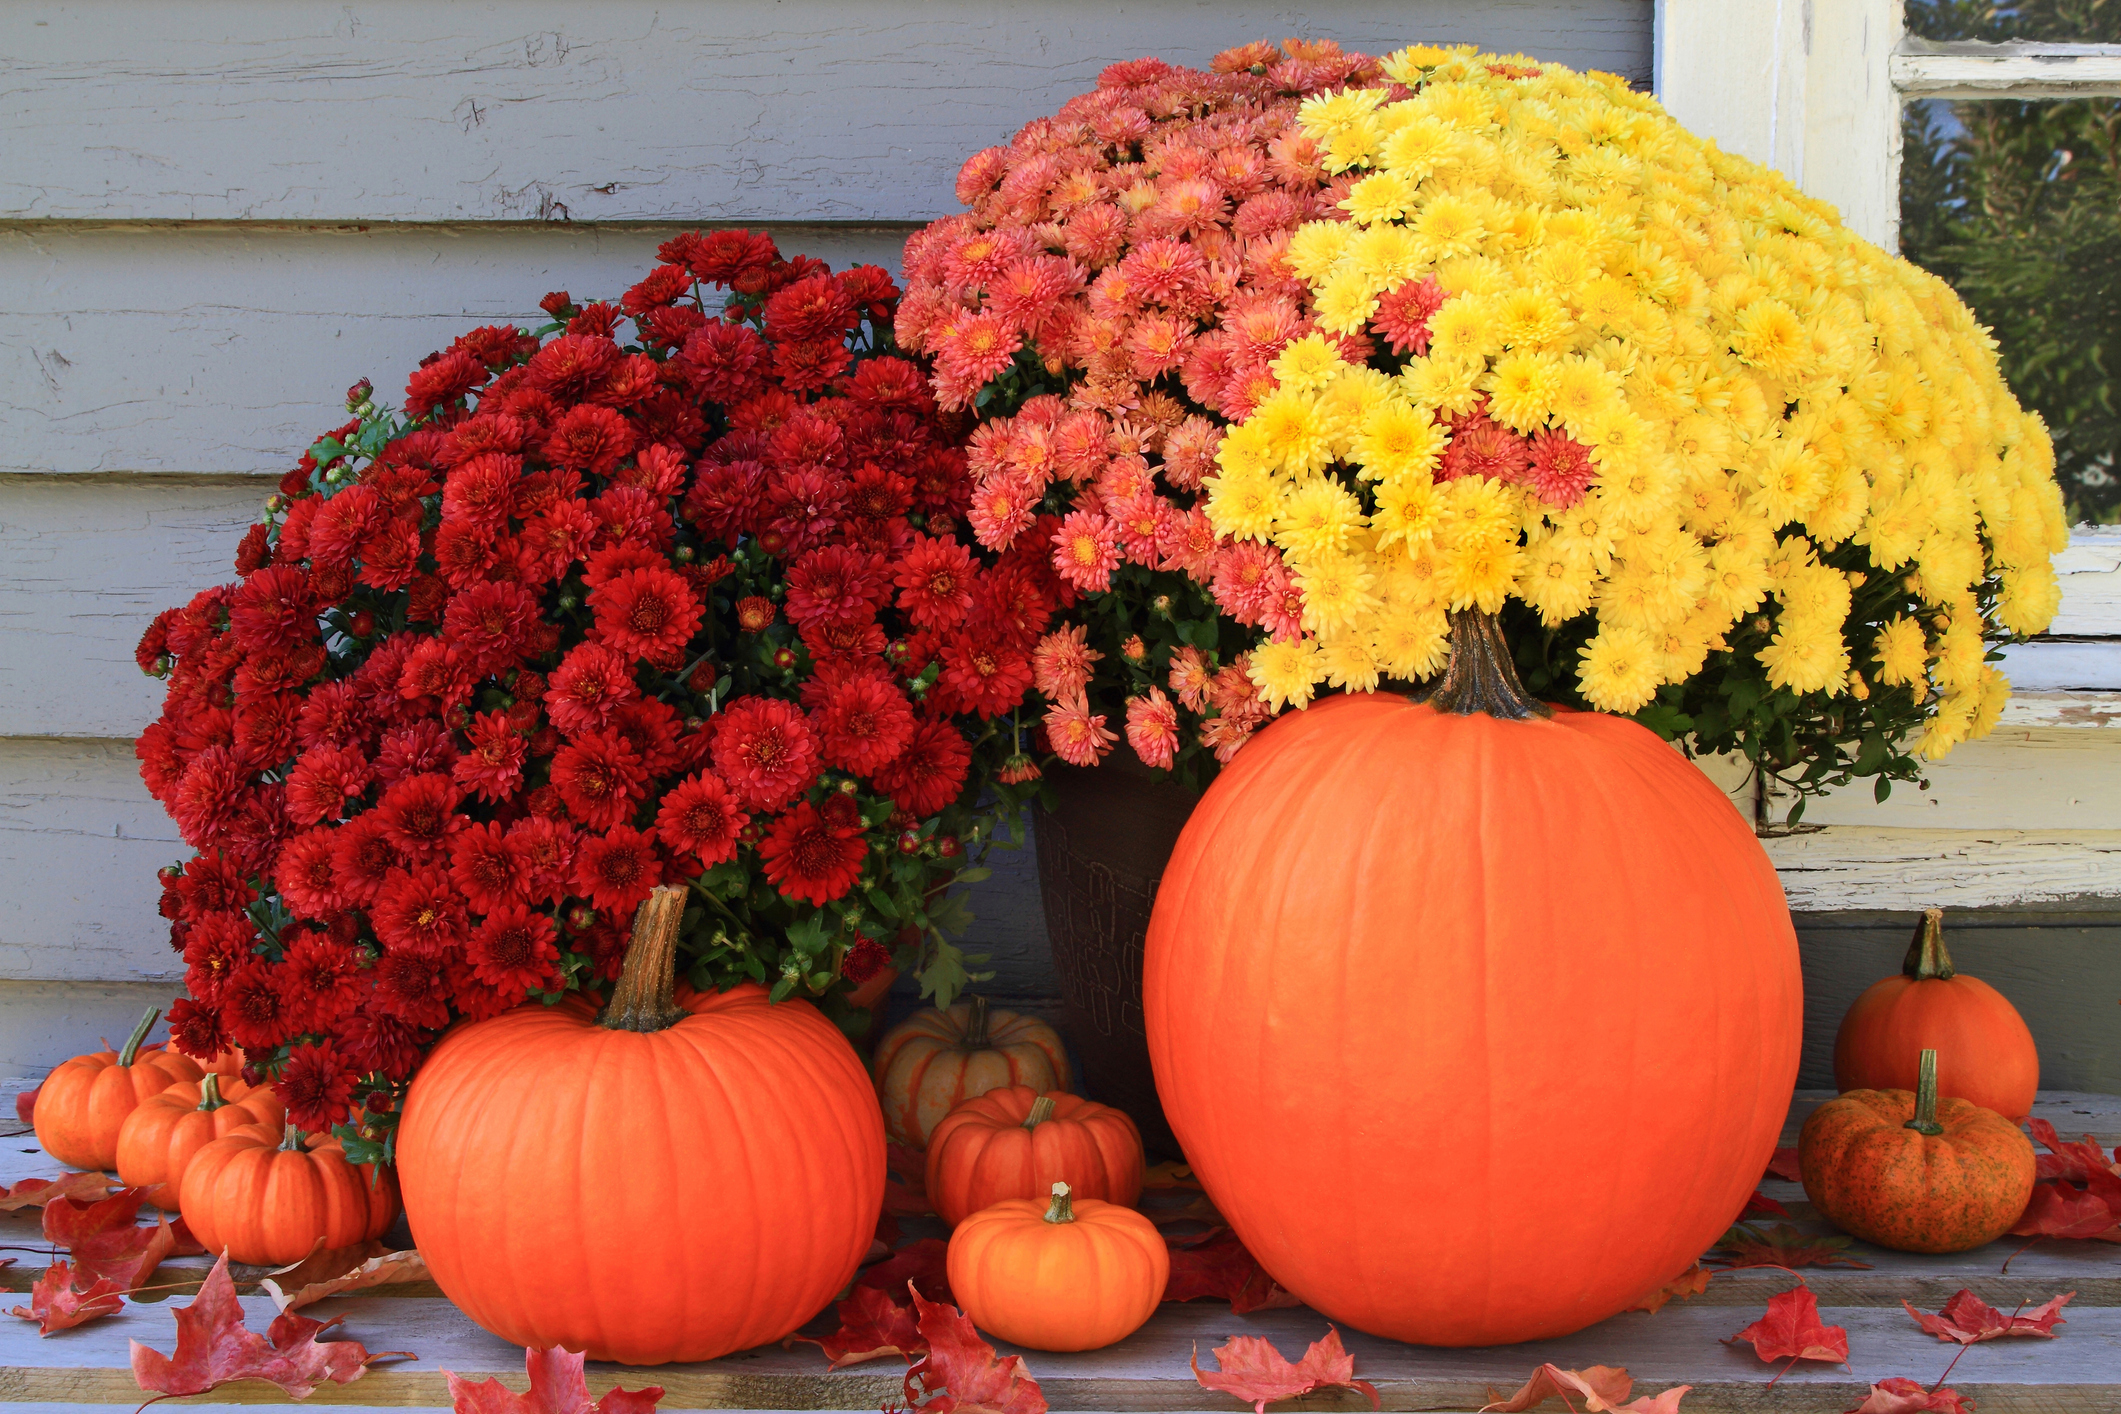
(547, 850)
(515, 951)
(763, 750)
(419, 813)
(1403, 314)
(196, 1029)
(308, 875)
(600, 777)
(209, 795)
(930, 772)
(486, 869)
(701, 818)
(807, 857)
(836, 586)
(323, 978)
(590, 439)
(815, 308)
(443, 382)
(322, 781)
(592, 682)
(1480, 446)
(647, 613)
(864, 960)
(616, 870)
(419, 911)
(1561, 469)
(861, 718)
(493, 768)
(413, 985)
(273, 609)
(935, 580)
(374, 1040)
(987, 678)
(254, 1007)
(317, 1086)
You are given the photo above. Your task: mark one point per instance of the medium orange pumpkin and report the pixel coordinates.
(269, 1197)
(1985, 1053)
(1404, 957)
(1069, 1274)
(1909, 1171)
(1016, 1143)
(84, 1101)
(935, 1059)
(158, 1139)
(690, 1174)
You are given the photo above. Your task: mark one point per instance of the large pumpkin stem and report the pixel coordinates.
(132, 1042)
(645, 998)
(1925, 1120)
(291, 1139)
(1063, 1209)
(1926, 959)
(976, 1028)
(1041, 1111)
(210, 1092)
(1481, 677)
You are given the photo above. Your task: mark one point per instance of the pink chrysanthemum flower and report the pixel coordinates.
(1086, 551)
(1152, 728)
(1078, 736)
(1062, 664)
(1561, 469)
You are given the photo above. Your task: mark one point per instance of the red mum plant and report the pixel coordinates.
(590, 616)
(1109, 304)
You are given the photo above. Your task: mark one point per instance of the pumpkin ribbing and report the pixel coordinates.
(1062, 1273)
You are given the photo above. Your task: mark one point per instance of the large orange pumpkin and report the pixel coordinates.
(1409, 969)
(84, 1101)
(690, 1174)
(1016, 1143)
(1069, 1274)
(269, 1197)
(1985, 1053)
(936, 1058)
(157, 1141)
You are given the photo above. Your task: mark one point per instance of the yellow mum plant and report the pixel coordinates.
(1693, 449)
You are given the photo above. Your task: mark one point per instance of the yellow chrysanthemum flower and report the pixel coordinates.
(1397, 440)
(1379, 197)
(1336, 590)
(1315, 520)
(1286, 673)
(1618, 671)
(1411, 641)
(1900, 651)
(1294, 437)
(1350, 663)
(1243, 502)
(1805, 656)
(1410, 509)
(1521, 389)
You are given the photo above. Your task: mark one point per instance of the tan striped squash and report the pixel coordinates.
(937, 1057)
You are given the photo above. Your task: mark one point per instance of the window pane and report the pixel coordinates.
(2017, 205)
(2056, 21)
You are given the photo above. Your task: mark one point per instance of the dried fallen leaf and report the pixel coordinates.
(1782, 1246)
(1966, 1319)
(1762, 1206)
(1792, 1330)
(872, 1326)
(1252, 1369)
(960, 1374)
(2071, 1159)
(1686, 1286)
(105, 1240)
(1216, 1264)
(36, 1192)
(55, 1304)
(313, 1280)
(924, 1263)
(1601, 1388)
(1900, 1395)
(2063, 1210)
(1783, 1164)
(557, 1386)
(213, 1347)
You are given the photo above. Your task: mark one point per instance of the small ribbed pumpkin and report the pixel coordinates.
(1914, 1173)
(1985, 1052)
(1072, 1274)
(685, 1175)
(935, 1059)
(84, 1101)
(269, 1197)
(1016, 1143)
(157, 1141)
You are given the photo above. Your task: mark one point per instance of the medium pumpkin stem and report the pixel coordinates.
(976, 1029)
(645, 998)
(1481, 676)
(1925, 1120)
(291, 1139)
(1063, 1209)
(210, 1092)
(1041, 1111)
(1926, 959)
(132, 1042)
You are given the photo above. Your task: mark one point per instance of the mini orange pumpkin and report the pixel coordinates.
(1986, 1052)
(1072, 1275)
(935, 1059)
(158, 1139)
(84, 1101)
(1015, 1143)
(269, 1198)
(1914, 1173)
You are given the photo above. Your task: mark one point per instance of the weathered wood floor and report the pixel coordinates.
(2079, 1373)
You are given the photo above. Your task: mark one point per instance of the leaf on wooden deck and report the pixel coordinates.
(213, 1348)
(1762, 1206)
(872, 1326)
(1782, 1246)
(1900, 1395)
(105, 1240)
(56, 1304)
(1783, 1164)
(1601, 1388)
(1686, 1286)
(36, 1192)
(557, 1386)
(2063, 1210)
(1791, 1330)
(347, 1269)
(26, 1105)
(1249, 1367)
(2071, 1159)
(1967, 1320)
(960, 1373)
(924, 1263)
(1216, 1264)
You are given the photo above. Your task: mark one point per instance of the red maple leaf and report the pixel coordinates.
(104, 1239)
(2060, 1209)
(55, 1304)
(924, 1263)
(1792, 1330)
(872, 1326)
(1783, 1164)
(26, 1105)
(213, 1348)
(1762, 1206)
(1601, 1388)
(1686, 1286)
(960, 1374)
(36, 1192)
(1967, 1319)
(1900, 1395)
(556, 1387)
(2070, 1159)
(1254, 1370)
(1216, 1264)
(1782, 1246)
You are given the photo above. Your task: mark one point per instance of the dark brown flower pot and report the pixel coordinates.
(1101, 852)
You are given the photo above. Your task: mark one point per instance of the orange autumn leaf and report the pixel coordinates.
(1967, 1320)
(348, 1269)
(872, 1326)
(1252, 1369)
(1686, 1286)
(924, 1263)
(2063, 1210)
(1216, 1264)
(36, 1192)
(1792, 1330)
(960, 1373)
(55, 1304)
(557, 1386)
(2074, 1160)
(1783, 1164)
(1900, 1395)
(104, 1239)
(1601, 1388)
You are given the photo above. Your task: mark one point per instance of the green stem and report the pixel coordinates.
(291, 1139)
(210, 1092)
(132, 1043)
(976, 1028)
(1041, 1111)
(1926, 959)
(1063, 1209)
(1925, 1120)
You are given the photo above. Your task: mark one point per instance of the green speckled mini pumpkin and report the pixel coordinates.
(1907, 1171)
